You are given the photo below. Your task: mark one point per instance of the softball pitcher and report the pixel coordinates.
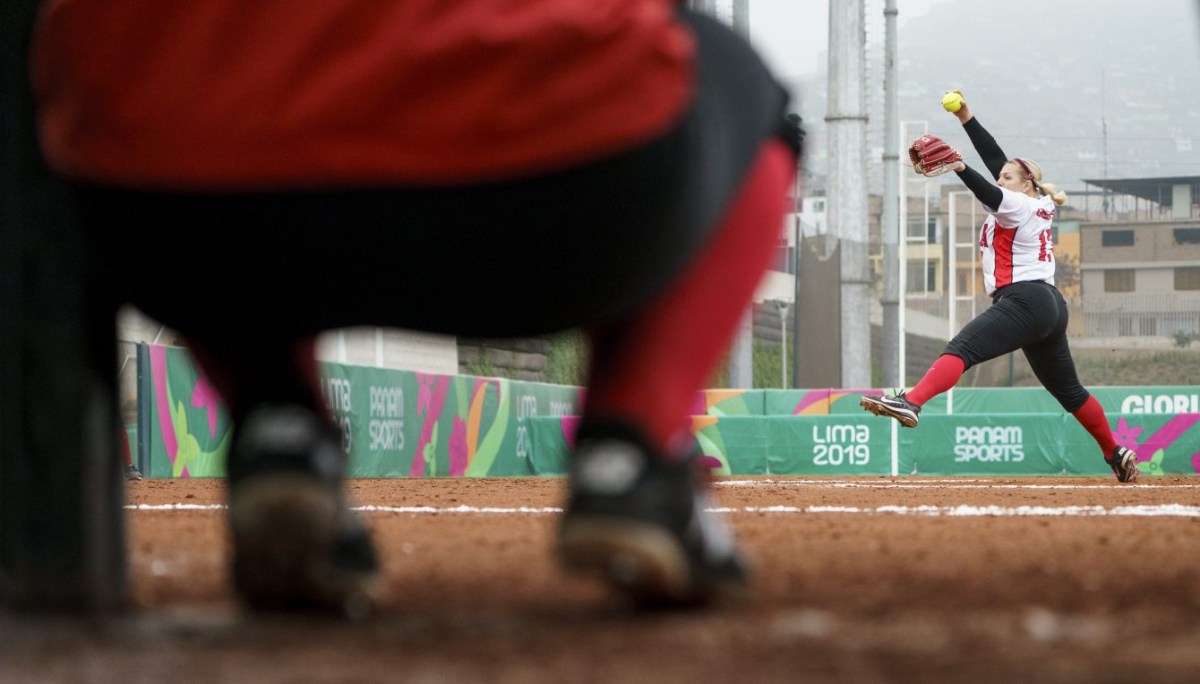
(1027, 312)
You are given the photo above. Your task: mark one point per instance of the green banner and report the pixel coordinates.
(1046, 444)
(1005, 444)
(552, 440)
(183, 431)
(820, 402)
(829, 445)
(991, 400)
(1000, 400)
(739, 444)
(1149, 400)
(394, 423)
(727, 402)
(1013, 444)
(407, 424)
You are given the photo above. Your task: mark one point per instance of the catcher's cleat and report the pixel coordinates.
(1124, 464)
(642, 523)
(132, 473)
(297, 546)
(893, 406)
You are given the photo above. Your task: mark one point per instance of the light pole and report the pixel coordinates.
(846, 125)
(797, 205)
(890, 226)
(741, 350)
(783, 309)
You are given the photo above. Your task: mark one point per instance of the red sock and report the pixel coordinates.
(123, 445)
(647, 368)
(1091, 417)
(941, 376)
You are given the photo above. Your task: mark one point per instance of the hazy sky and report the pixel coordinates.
(791, 34)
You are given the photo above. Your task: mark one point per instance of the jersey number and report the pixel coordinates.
(1046, 253)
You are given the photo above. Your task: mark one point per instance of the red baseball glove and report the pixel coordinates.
(931, 156)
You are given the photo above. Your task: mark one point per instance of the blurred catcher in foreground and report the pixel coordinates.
(1027, 312)
(347, 162)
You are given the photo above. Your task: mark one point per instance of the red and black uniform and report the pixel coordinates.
(1028, 312)
(253, 173)
(1017, 259)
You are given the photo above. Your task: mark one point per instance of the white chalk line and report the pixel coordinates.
(965, 511)
(939, 484)
(961, 511)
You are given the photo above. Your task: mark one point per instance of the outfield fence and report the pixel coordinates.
(409, 424)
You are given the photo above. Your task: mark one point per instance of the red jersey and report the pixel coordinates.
(287, 93)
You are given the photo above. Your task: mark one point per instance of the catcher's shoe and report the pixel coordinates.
(1124, 464)
(296, 543)
(642, 522)
(893, 406)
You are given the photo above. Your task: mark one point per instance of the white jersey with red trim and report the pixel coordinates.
(1015, 244)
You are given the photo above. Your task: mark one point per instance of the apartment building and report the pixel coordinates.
(1139, 261)
(1128, 254)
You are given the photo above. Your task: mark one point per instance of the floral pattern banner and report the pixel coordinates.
(407, 424)
(394, 423)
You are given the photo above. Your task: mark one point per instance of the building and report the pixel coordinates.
(1127, 258)
(1139, 261)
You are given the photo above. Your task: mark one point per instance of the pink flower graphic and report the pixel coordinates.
(424, 391)
(1168, 434)
(430, 398)
(458, 447)
(570, 426)
(158, 369)
(204, 396)
(1126, 434)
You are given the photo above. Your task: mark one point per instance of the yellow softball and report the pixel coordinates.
(952, 101)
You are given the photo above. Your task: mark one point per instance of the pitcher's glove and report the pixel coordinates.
(931, 156)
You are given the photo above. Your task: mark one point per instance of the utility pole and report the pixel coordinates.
(847, 121)
(798, 238)
(741, 17)
(741, 349)
(1104, 132)
(891, 206)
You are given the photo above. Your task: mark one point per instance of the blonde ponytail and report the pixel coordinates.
(1052, 191)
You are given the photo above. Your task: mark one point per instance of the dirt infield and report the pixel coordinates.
(856, 580)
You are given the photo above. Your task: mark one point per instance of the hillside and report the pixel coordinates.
(1048, 77)
(1119, 367)
(1088, 92)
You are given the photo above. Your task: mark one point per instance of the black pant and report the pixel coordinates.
(1030, 316)
(514, 257)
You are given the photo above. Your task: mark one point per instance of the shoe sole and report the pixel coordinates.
(285, 530)
(881, 409)
(1129, 466)
(642, 561)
